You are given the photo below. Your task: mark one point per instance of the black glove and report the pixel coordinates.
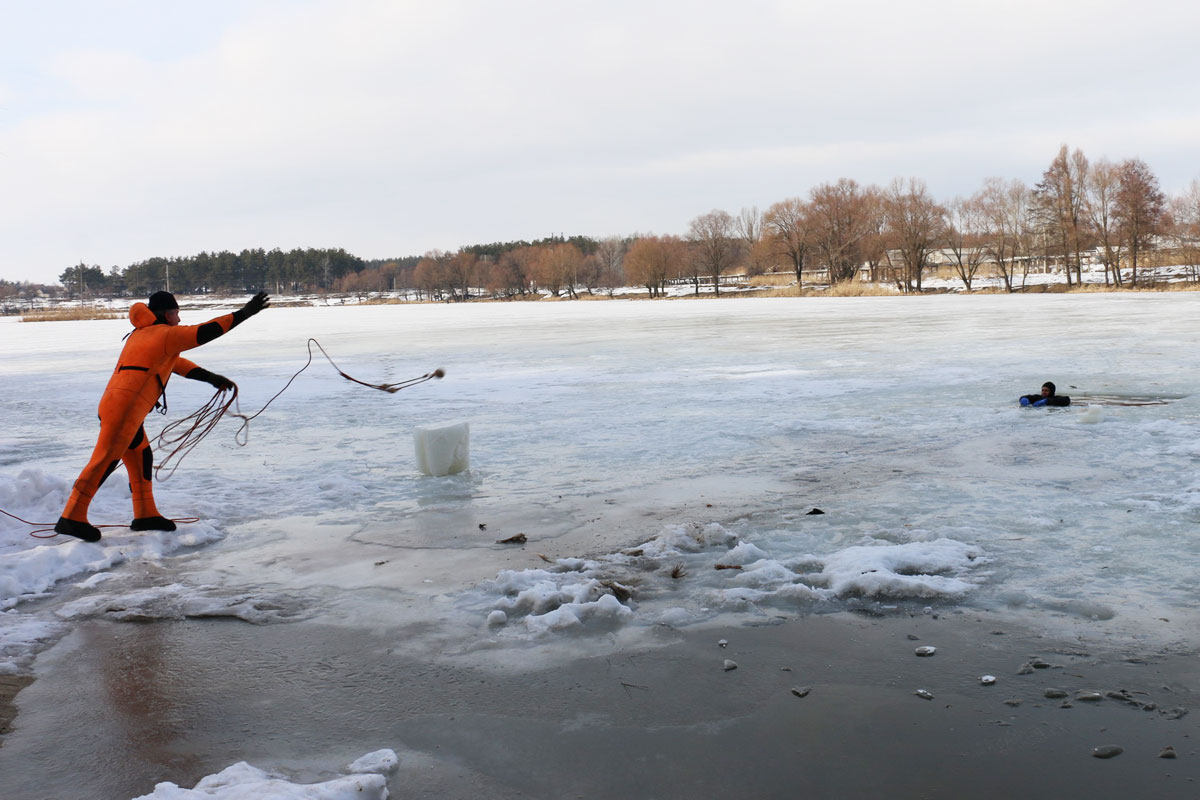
(218, 382)
(253, 306)
(256, 304)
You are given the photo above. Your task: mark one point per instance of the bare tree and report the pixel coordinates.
(506, 275)
(749, 229)
(1185, 226)
(404, 280)
(1103, 180)
(542, 275)
(875, 242)
(714, 246)
(1079, 169)
(570, 262)
(524, 261)
(589, 273)
(557, 268)
(839, 223)
(748, 226)
(1140, 205)
(652, 260)
(459, 274)
(916, 224)
(1059, 205)
(1005, 206)
(786, 227)
(965, 236)
(430, 275)
(610, 259)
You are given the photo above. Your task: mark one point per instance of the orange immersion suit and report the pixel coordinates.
(150, 356)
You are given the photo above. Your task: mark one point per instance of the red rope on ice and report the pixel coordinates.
(45, 530)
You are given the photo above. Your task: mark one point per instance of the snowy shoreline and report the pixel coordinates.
(1154, 279)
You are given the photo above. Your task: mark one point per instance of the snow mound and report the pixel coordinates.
(29, 568)
(690, 537)
(245, 782)
(915, 569)
(545, 600)
(695, 568)
(382, 762)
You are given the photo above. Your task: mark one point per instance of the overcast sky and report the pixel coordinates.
(138, 128)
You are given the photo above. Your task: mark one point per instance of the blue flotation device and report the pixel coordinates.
(1036, 400)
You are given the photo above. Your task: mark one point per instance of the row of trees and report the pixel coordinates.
(1081, 213)
(1113, 212)
(1106, 213)
(250, 270)
(560, 266)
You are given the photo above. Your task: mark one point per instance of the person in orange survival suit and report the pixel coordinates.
(151, 354)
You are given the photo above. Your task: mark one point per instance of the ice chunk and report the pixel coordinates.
(245, 782)
(381, 762)
(442, 449)
(915, 569)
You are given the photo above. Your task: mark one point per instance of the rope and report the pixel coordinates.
(45, 530)
(203, 421)
(182, 436)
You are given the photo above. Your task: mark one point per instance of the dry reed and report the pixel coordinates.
(70, 314)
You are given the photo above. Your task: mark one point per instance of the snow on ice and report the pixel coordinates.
(367, 780)
(599, 592)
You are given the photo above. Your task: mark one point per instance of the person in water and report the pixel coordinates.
(137, 386)
(1046, 398)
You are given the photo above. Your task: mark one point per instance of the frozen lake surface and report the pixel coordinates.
(639, 446)
(706, 429)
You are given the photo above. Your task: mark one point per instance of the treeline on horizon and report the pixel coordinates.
(1103, 214)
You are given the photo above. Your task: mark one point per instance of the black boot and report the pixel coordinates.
(152, 524)
(80, 530)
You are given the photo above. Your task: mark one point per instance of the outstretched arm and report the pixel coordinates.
(185, 337)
